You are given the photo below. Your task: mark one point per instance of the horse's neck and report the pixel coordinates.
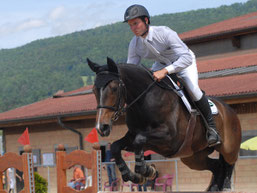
(135, 81)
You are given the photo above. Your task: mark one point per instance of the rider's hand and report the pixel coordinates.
(160, 74)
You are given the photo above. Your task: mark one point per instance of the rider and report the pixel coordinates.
(171, 55)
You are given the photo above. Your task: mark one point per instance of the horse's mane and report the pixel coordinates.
(126, 71)
(135, 70)
(145, 75)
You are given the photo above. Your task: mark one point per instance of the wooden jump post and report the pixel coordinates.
(78, 157)
(23, 163)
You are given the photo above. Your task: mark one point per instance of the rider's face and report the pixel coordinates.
(137, 26)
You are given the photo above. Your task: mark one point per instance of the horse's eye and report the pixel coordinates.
(94, 90)
(113, 86)
(114, 89)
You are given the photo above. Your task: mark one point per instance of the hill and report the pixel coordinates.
(41, 68)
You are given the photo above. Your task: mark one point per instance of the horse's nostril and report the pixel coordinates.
(105, 129)
(105, 126)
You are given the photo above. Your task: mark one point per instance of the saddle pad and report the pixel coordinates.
(214, 108)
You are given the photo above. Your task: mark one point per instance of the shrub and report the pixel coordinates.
(40, 184)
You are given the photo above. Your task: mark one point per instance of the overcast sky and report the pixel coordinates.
(23, 21)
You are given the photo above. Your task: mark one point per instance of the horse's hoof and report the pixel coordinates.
(142, 180)
(213, 188)
(141, 170)
(152, 174)
(226, 190)
(125, 178)
(227, 185)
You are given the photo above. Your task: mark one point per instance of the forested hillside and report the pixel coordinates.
(41, 68)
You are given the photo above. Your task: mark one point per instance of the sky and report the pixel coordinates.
(23, 21)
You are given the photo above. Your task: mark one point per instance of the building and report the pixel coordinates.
(227, 62)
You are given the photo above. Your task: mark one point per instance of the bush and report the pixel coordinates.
(40, 184)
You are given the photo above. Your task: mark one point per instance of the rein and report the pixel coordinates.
(139, 96)
(118, 107)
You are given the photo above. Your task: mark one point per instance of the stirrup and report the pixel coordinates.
(214, 144)
(218, 139)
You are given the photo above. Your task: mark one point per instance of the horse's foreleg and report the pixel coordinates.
(125, 144)
(141, 167)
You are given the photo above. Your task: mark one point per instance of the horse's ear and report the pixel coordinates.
(112, 65)
(94, 67)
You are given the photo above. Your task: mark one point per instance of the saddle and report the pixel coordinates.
(173, 82)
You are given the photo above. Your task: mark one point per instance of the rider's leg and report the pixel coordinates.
(190, 79)
(213, 137)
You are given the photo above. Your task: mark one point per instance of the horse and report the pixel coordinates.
(158, 120)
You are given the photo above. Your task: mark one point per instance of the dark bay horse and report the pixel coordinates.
(158, 120)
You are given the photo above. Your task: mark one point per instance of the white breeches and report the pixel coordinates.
(190, 77)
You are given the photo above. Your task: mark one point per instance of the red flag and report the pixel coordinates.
(149, 152)
(24, 138)
(127, 154)
(92, 137)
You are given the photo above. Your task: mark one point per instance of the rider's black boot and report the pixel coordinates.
(213, 137)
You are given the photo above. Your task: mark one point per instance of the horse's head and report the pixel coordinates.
(109, 93)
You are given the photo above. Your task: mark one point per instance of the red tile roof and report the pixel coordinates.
(230, 85)
(245, 23)
(53, 107)
(227, 62)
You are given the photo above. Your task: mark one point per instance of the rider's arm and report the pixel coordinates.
(185, 56)
(180, 64)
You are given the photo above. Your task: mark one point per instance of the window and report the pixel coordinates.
(48, 159)
(36, 155)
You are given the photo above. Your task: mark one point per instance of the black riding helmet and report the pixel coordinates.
(135, 11)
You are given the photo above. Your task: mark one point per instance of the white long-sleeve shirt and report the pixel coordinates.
(175, 55)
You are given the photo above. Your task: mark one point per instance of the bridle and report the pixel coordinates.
(119, 108)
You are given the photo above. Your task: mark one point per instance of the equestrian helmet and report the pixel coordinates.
(135, 11)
